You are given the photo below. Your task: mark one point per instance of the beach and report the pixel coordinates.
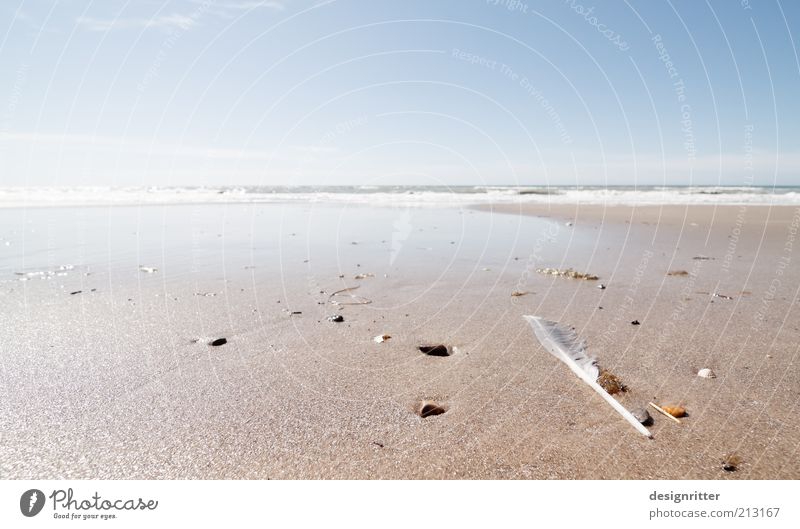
(108, 313)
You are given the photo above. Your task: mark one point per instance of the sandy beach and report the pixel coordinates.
(108, 312)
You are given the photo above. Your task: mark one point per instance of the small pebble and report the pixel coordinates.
(635, 322)
(218, 342)
(642, 416)
(601, 286)
(731, 462)
(336, 318)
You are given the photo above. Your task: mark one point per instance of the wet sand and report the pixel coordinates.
(118, 382)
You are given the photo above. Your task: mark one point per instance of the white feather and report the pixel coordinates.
(564, 344)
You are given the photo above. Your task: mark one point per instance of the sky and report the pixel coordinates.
(417, 92)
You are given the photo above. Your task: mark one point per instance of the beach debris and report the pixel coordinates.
(569, 272)
(601, 286)
(518, 293)
(206, 294)
(49, 274)
(363, 276)
(148, 269)
(429, 408)
(635, 322)
(562, 342)
(568, 224)
(346, 292)
(718, 295)
(376, 443)
(731, 462)
(610, 382)
(487, 269)
(678, 273)
(435, 350)
(703, 258)
(76, 292)
(336, 318)
(217, 342)
(381, 338)
(642, 416)
(663, 412)
(673, 412)
(706, 373)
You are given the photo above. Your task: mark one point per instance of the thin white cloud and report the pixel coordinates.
(231, 8)
(173, 21)
(178, 21)
(242, 5)
(86, 143)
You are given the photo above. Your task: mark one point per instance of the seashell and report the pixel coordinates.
(706, 373)
(428, 408)
(435, 350)
(381, 338)
(675, 411)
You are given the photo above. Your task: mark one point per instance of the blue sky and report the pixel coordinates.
(229, 92)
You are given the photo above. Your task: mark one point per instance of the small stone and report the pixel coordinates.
(731, 462)
(642, 416)
(218, 342)
(336, 318)
(706, 373)
(381, 338)
(635, 322)
(601, 286)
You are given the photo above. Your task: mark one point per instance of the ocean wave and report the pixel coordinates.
(399, 196)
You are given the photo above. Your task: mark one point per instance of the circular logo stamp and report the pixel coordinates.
(31, 502)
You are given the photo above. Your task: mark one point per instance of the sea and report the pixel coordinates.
(397, 196)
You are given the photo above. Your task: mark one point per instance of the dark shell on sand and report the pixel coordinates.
(428, 408)
(435, 350)
(218, 342)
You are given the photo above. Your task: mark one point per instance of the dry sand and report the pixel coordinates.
(119, 383)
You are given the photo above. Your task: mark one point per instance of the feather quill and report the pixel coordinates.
(564, 344)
